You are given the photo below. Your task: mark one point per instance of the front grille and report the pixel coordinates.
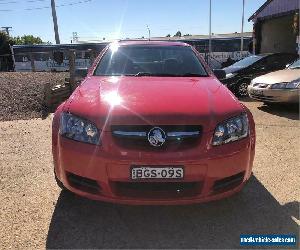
(228, 183)
(157, 190)
(177, 136)
(83, 184)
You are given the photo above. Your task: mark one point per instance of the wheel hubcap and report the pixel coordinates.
(243, 89)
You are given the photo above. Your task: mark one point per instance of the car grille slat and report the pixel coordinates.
(136, 136)
(129, 134)
(183, 134)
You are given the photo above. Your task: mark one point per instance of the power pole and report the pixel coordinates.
(209, 42)
(242, 32)
(149, 32)
(75, 37)
(6, 28)
(55, 22)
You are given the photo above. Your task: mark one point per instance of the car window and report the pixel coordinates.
(268, 61)
(135, 60)
(283, 60)
(247, 61)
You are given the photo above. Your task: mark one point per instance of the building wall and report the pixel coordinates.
(278, 35)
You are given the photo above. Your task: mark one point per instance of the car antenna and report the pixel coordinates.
(149, 32)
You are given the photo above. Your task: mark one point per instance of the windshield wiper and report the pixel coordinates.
(170, 75)
(143, 74)
(192, 74)
(153, 74)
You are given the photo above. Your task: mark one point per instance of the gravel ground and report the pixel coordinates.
(36, 214)
(22, 94)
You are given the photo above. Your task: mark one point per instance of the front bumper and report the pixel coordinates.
(99, 167)
(274, 95)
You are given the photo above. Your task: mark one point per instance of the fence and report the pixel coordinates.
(58, 60)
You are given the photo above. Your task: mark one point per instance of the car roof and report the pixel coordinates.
(151, 43)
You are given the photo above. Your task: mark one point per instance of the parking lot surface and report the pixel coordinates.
(36, 214)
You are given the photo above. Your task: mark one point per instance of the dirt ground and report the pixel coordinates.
(22, 93)
(36, 214)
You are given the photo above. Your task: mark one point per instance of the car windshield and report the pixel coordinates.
(145, 60)
(246, 61)
(295, 65)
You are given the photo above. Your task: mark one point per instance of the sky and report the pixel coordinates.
(119, 19)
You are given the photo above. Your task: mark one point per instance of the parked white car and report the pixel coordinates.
(281, 86)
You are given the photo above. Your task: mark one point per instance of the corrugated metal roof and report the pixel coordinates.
(275, 7)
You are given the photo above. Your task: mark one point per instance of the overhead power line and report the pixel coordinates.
(29, 1)
(47, 7)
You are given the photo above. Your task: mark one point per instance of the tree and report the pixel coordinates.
(5, 40)
(27, 40)
(187, 35)
(168, 35)
(6, 63)
(178, 33)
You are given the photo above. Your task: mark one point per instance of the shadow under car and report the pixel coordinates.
(81, 223)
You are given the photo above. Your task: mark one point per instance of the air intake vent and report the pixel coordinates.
(157, 190)
(82, 183)
(228, 183)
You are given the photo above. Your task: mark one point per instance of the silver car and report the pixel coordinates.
(281, 86)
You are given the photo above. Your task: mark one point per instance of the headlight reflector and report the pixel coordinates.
(78, 129)
(233, 129)
(294, 84)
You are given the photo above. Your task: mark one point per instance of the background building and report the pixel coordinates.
(276, 27)
(46, 57)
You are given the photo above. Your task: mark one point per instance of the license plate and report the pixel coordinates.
(145, 172)
(256, 92)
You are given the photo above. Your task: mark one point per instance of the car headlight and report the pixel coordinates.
(78, 129)
(294, 84)
(287, 85)
(232, 129)
(230, 75)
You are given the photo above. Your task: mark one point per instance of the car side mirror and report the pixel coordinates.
(220, 73)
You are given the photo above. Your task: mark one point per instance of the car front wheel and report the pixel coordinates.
(242, 89)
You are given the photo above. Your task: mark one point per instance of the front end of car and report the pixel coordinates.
(282, 92)
(116, 164)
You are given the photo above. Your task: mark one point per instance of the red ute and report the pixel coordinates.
(151, 124)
